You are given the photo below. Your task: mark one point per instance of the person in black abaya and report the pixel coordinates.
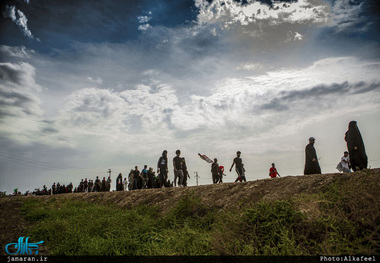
(311, 162)
(356, 149)
(119, 183)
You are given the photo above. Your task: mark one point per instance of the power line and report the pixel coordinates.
(44, 165)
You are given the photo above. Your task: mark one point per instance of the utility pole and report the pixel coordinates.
(196, 177)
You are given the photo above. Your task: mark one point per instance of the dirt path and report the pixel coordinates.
(223, 195)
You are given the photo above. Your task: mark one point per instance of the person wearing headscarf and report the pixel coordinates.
(311, 162)
(119, 182)
(356, 149)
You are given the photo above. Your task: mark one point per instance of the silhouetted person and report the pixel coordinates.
(90, 185)
(150, 178)
(144, 176)
(119, 182)
(221, 173)
(185, 172)
(108, 184)
(178, 172)
(356, 149)
(97, 184)
(54, 189)
(311, 162)
(238, 166)
(162, 168)
(136, 178)
(85, 185)
(215, 171)
(131, 180)
(103, 184)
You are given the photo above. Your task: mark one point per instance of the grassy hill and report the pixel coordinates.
(329, 214)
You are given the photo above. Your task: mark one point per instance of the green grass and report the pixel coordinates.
(341, 226)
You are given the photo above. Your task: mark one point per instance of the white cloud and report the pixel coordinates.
(18, 51)
(288, 98)
(144, 27)
(20, 105)
(100, 111)
(18, 75)
(229, 12)
(19, 19)
(294, 36)
(97, 80)
(144, 21)
(250, 66)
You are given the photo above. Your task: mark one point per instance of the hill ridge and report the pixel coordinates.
(228, 194)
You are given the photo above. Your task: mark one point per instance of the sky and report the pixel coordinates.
(87, 86)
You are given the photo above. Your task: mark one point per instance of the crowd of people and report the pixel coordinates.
(355, 158)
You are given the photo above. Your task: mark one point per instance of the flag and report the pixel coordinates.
(205, 158)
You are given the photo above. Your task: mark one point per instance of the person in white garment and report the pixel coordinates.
(345, 161)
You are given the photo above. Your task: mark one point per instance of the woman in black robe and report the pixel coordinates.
(356, 149)
(311, 162)
(119, 183)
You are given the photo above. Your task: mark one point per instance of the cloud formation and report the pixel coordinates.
(19, 19)
(348, 15)
(244, 75)
(144, 22)
(229, 12)
(20, 105)
(18, 52)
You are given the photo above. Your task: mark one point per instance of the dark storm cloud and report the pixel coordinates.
(323, 90)
(59, 23)
(355, 28)
(280, 103)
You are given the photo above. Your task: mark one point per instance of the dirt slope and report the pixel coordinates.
(229, 194)
(363, 187)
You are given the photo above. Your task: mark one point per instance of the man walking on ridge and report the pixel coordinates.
(238, 166)
(215, 172)
(178, 172)
(311, 162)
(273, 172)
(162, 169)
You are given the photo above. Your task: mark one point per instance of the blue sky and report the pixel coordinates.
(90, 86)
(60, 23)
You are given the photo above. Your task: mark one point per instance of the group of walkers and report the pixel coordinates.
(355, 158)
(86, 186)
